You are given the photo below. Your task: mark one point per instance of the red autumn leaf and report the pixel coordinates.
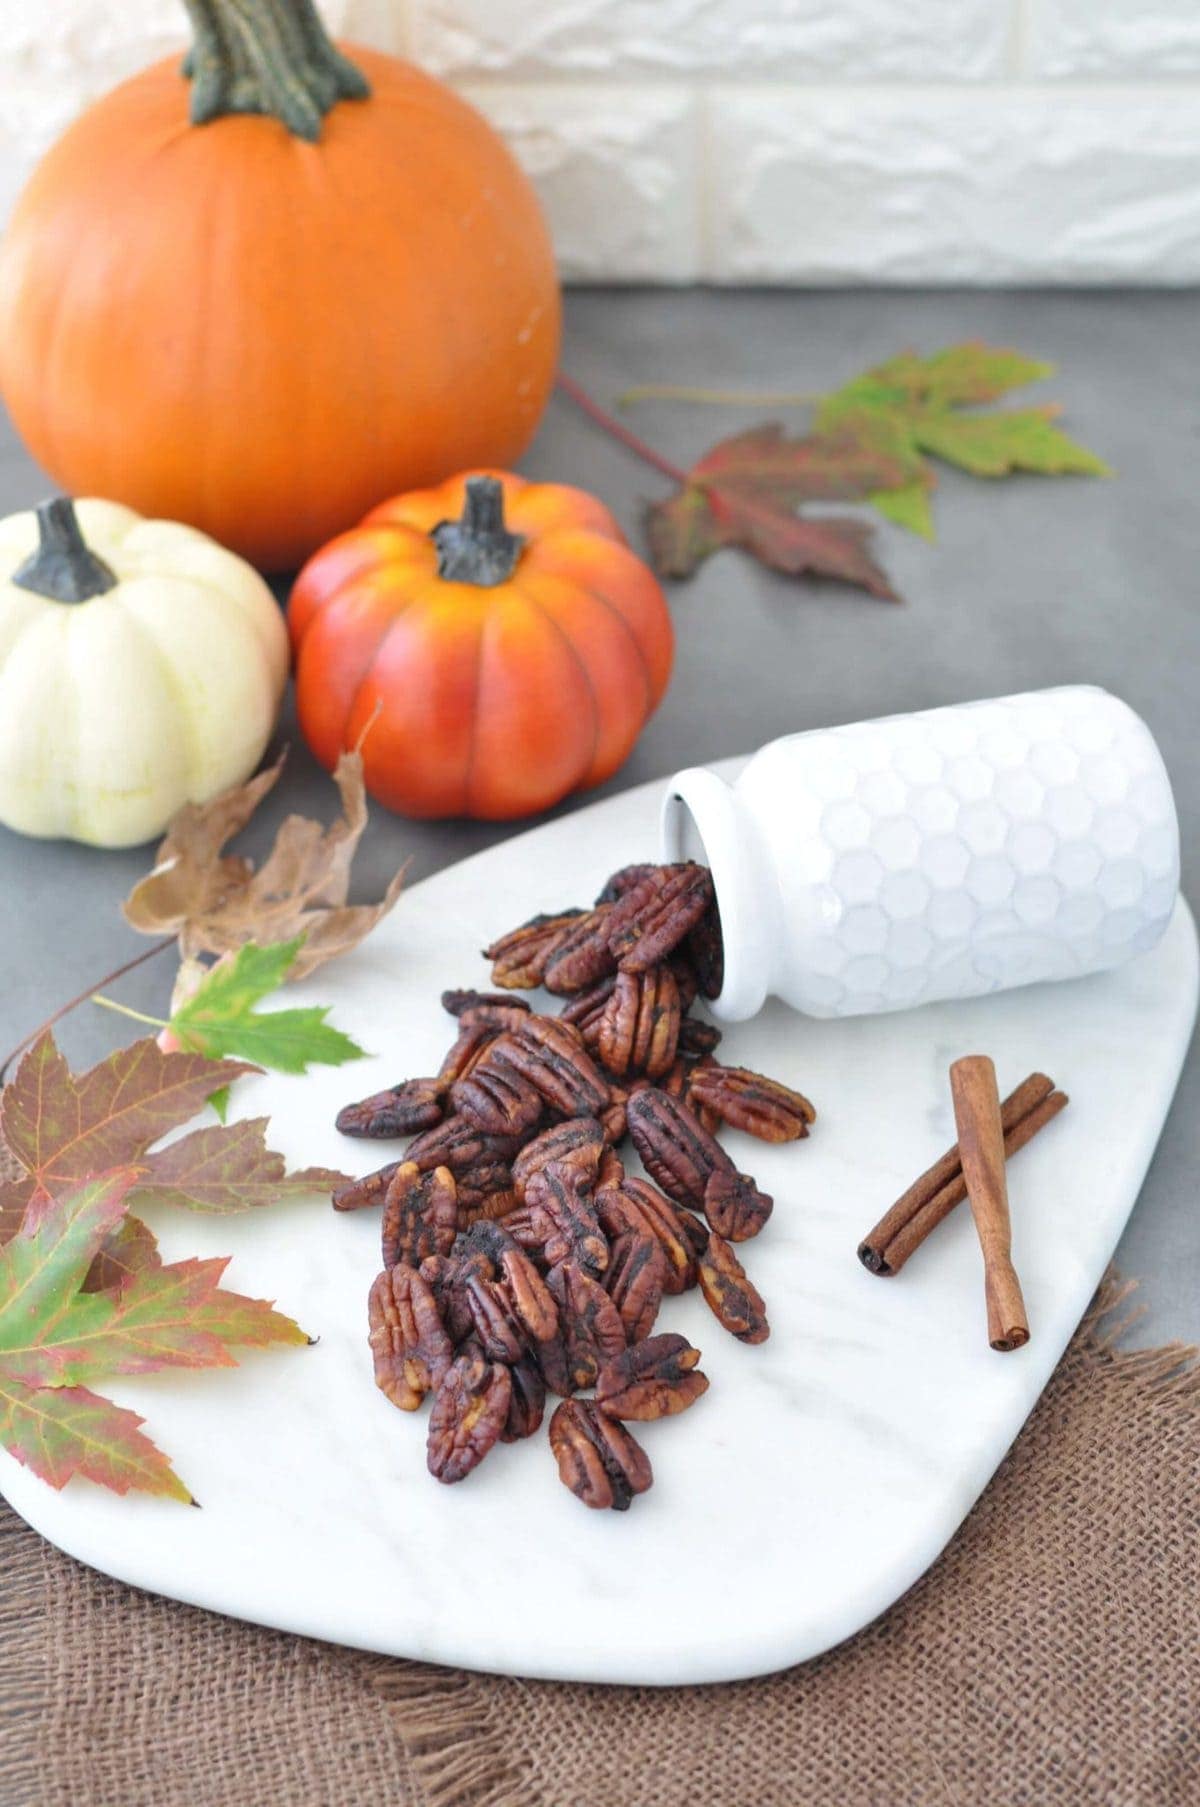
(838, 466)
(61, 1432)
(171, 1316)
(228, 1167)
(127, 1250)
(83, 1290)
(60, 1127)
(746, 490)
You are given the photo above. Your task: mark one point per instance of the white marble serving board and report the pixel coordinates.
(822, 1472)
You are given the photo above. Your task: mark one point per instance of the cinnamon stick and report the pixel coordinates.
(931, 1198)
(981, 1146)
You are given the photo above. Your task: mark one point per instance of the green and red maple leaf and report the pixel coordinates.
(871, 441)
(84, 1292)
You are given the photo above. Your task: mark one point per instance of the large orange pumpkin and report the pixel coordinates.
(493, 643)
(339, 285)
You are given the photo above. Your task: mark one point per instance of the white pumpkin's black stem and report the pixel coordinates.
(478, 549)
(64, 566)
(267, 56)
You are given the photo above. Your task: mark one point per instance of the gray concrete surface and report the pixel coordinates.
(1031, 583)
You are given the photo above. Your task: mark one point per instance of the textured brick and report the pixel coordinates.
(1113, 38)
(994, 186)
(616, 170)
(799, 39)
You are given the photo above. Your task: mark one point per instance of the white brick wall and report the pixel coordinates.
(808, 141)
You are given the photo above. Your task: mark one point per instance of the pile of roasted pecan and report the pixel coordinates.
(518, 1254)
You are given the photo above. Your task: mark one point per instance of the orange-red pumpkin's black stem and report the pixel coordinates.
(579, 395)
(478, 548)
(64, 567)
(267, 56)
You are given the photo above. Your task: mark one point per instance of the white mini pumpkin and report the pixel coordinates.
(141, 668)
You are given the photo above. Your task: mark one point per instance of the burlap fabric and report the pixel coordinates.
(1050, 1658)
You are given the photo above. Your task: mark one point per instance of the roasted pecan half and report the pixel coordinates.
(519, 958)
(484, 1006)
(472, 1155)
(762, 1107)
(468, 1048)
(493, 1204)
(500, 1336)
(495, 1096)
(734, 1206)
(469, 1414)
(639, 1029)
(586, 1008)
(634, 1280)
(447, 1277)
(653, 916)
(611, 1170)
(735, 1302)
(582, 956)
(527, 1403)
(697, 1038)
(409, 1343)
(679, 1154)
(517, 1278)
(588, 1321)
(598, 1460)
(525, 1233)
(564, 1216)
(420, 1214)
(555, 1369)
(551, 1056)
(401, 1110)
(613, 1117)
(706, 950)
(625, 880)
(527, 1296)
(678, 1084)
(579, 1142)
(685, 978)
(637, 1206)
(369, 1190)
(654, 1379)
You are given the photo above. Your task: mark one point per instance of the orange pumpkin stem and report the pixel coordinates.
(267, 56)
(478, 548)
(64, 567)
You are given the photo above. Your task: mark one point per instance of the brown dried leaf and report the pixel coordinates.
(214, 902)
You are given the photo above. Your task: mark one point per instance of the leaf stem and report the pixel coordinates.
(118, 972)
(617, 431)
(721, 398)
(138, 1016)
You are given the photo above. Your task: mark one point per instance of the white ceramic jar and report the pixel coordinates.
(942, 855)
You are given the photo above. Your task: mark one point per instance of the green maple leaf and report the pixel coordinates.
(912, 408)
(219, 1019)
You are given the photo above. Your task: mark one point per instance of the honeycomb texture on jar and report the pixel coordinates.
(971, 849)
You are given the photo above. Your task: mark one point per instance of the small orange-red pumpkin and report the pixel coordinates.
(496, 641)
